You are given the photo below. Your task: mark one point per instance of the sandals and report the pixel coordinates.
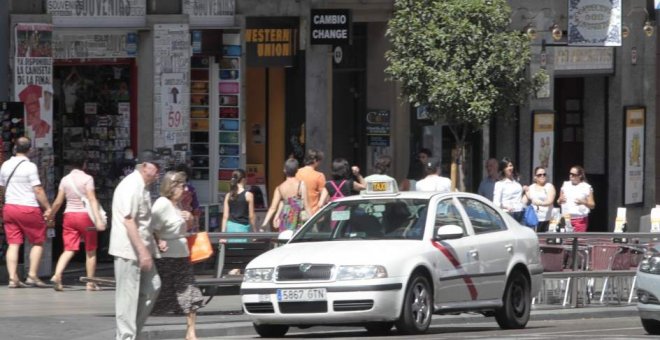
(57, 285)
(16, 284)
(35, 282)
(93, 287)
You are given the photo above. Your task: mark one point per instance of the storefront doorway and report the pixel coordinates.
(94, 110)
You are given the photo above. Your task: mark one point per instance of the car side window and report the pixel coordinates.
(447, 213)
(484, 219)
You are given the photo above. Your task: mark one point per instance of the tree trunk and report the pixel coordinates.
(457, 174)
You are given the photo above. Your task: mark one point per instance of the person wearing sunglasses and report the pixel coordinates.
(541, 194)
(577, 199)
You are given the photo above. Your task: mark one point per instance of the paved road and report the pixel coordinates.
(608, 328)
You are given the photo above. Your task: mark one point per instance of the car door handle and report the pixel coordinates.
(474, 254)
(509, 248)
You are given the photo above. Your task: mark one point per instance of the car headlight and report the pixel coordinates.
(650, 264)
(361, 272)
(258, 275)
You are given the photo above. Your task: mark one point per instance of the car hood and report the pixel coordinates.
(339, 252)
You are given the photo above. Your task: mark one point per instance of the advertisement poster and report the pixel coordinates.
(378, 128)
(594, 22)
(633, 173)
(544, 142)
(97, 13)
(174, 99)
(33, 79)
(171, 85)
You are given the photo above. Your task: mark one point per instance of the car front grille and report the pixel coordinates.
(304, 272)
(303, 307)
(260, 308)
(352, 305)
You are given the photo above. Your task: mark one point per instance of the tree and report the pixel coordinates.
(459, 60)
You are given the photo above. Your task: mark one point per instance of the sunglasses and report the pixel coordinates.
(540, 175)
(573, 174)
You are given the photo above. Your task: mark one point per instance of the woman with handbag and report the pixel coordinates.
(77, 221)
(171, 225)
(508, 192)
(541, 195)
(288, 204)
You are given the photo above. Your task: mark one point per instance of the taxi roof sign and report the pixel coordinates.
(380, 185)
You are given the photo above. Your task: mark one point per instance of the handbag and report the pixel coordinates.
(529, 217)
(88, 206)
(200, 247)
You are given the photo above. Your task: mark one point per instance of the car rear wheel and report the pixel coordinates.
(517, 303)
(379, 328)
(651, 326)
(271, 331)
(417, 307)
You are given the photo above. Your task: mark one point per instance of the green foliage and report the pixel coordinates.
(458, 58)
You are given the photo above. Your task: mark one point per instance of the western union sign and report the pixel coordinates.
(271, 41)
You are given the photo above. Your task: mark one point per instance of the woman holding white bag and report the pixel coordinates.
(77, 187)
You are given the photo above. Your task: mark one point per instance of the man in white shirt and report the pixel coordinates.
(433, 181)
(22, 215)
(132, 244)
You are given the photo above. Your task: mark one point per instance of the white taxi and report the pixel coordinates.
(648, 290)
(386, 258)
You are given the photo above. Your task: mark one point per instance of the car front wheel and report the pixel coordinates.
(271, 331)
(651, 326)
(417, 307)
(517, 303)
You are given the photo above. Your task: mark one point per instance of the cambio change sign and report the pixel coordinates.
(330, 27)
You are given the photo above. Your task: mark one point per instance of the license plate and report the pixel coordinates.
(312, 294)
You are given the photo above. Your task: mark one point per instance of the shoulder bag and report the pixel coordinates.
(88, 206)
(200, 247)
(9, 179)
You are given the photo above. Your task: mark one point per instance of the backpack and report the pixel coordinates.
(338, 194)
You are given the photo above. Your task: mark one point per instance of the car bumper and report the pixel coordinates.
(344, 304)
(648, 295)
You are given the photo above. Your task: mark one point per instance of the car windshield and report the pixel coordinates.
(368, 219)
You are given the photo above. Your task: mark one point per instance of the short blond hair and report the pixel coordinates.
(170, 181)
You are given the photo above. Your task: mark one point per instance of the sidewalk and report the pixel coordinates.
(75, 314)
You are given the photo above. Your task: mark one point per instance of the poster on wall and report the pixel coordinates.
(172, 85)
(85, 44)
(98, 13)
(544, 142)
(633, 172)
(174, 99)
(378, 127)
(594, 22)
(33, 80)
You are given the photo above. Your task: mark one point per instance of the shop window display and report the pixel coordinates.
(92, 113)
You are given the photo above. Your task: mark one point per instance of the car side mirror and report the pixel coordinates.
(448, 232)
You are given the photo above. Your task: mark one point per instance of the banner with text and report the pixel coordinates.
(594, 22)
(544, 142)
(171, 84)
(634, 161)
(97, 13)
(210, 12)
(87, 45)
(271, 42)
(33, 80)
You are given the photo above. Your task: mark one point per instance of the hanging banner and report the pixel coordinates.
(330, 27)
(544, 142)
(210, 12)
(87, 45)
(97, 13)
(33, 80)
(633, 173)
(594, 22)
(171, 84)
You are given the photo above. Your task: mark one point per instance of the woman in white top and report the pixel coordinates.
(541, 196)
(577, 199)
(171, 224)
(508, 193)
(76, 223)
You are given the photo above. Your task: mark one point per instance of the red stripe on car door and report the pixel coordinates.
(454, 261)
